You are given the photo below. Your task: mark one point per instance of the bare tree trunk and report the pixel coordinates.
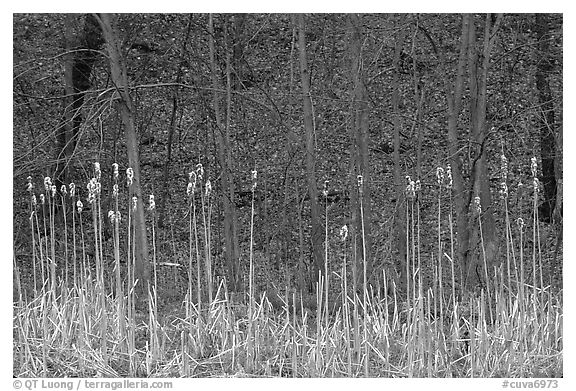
(77, 72)
(225, 157)
(480, 182)
(120, 80)
(547, 123)
(316, 234)
(454, 100)
(360, 110)
(400, 226)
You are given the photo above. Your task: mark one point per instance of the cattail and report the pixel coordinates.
(115, 170)
(42, 199)
(47, 183)
(129, 176)
(30, 186)
(536, 184)
(114, 217)
(79, 206)
(533, 166)
(504, 173)
(360, 184)
(440, 175)
(72, 189)
(254, 179)
(504, 167)
(449, 176)
(417, 186)
(63, 190)
(410, 188)
(478, 205)
(200, 171)
(520, 222)
(97, 172)
(325, 189)
(208, 188)
(115, 190)
(503, 190)
(53, 189)
(34, 201)
(151, 202)
(134, 203)
(191, 189)
(92, 189)
(344, 232)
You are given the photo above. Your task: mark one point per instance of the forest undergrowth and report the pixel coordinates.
(78, 315)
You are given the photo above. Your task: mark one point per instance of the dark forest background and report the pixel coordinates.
(310, 102)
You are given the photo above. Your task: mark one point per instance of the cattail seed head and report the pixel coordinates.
(344, 232)
(47, 183)
(439, 175)
(34, 201)
(97, 172)
(478, 205)
(115, 190)
(520, 222)
(208, 188)
(30, 186)
(417, 186)
(93, 190)
(325, 189)
(254, 179)
(449, 176)
(536, 184)
(42, 200)
(533, 166)
(129, 176)
(63, 190)
(79, 206)
(134, 203)
(115, 170)
(503, 190)
(111, 216)
(200, 171)
(410, 188)
(53, 190)
(151, 202)
(504, 167)
(191, 189)
(72, 189)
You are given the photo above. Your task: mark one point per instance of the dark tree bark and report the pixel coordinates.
(225, 158)
(400, 231)
(547, 123)
(316, 234)
(454, 100)
(480, 184)
(238, 71)
(82, 54)
(360, 138)
(128, 113)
